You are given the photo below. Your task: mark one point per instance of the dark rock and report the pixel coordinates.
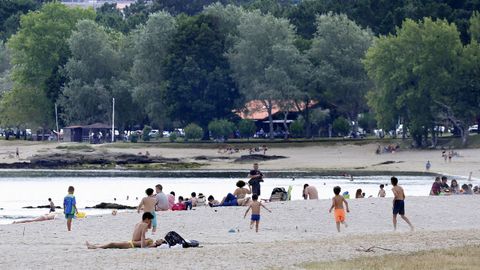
(41, 206)
(104, 205)
(257, 157)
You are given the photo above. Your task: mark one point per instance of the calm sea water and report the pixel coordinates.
(18, 192)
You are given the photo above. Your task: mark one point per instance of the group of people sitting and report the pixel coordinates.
(441, 187)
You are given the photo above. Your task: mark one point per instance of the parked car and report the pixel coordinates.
(473, 129)
(154, 133)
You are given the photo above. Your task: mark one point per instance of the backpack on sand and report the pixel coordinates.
(279, 194)
(173, 238)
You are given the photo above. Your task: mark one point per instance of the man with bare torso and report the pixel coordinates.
(138, 238)
(398, 203)
(148, 203)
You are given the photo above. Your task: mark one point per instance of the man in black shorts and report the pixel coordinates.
(256, 177)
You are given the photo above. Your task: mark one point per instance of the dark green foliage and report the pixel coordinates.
(297, 128)
(146, 133)
(193, 132)
(200, 87)
(341, 126)
(247, 128)
(221, 129)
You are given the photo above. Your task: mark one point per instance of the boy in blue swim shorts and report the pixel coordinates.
(255, 206)
(70, 207)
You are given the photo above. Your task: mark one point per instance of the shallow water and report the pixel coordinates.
(18, 192)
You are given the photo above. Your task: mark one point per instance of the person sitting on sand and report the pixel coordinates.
(435, 190)
(212, 202)
(162, 200)
(201, 201)
(171, 199)
(45, 217)
(310, 192)
(241, 192)
(180, 206)
(454, 187)
(444, 187)
(359, 194)
(138, 238)
(231, 200)
(52, 205)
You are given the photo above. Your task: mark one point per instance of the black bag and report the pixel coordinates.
(173, 238)
(279, 194)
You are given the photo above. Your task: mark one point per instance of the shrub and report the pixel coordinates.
(221, 129)
(297, 128)
(341, 126)
(247, 128)
(173, 137)
(146, 133)
(193, 132)
(133, 137)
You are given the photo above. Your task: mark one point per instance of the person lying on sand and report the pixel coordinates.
(138, 237)
(49, 216)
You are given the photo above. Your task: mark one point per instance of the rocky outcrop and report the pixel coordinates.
(105, 205)
(40, 206)
(257, 157)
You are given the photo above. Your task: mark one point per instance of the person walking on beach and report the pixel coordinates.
(310, 192)
(255, 206)
(70, 207)
(428, 165)
(337, 204)
(256, 177)
(148, 203)
(398, 203)
(52, 206)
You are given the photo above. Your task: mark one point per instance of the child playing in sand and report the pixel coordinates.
(398, 203)
(70, 207)
(255, 206)
(381, 192)
(148, 204)
(337, 203)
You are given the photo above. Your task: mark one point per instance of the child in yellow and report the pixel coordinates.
(337, 203)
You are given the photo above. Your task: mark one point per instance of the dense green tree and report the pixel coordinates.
(38, 51)
(151, 47)
(200, 86)
(246, 128)
(341, 126)
(474, 29)
(267, 66)
(416, 75)
(221, 129)
(10, 12)
(109, 16)
(94, 62)
(337, 51)
(193, 132)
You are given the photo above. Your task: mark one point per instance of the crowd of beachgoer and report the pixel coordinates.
(251, 150)
(441, 187)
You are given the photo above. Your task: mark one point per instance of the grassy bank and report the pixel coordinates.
(454, 258)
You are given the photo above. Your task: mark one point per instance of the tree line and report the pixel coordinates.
(371, 63)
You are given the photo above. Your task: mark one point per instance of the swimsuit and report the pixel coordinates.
(154, 220)
(255, 217)
(399, 207)
(339, 215)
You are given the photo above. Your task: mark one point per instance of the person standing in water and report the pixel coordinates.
(256, 177)
(52, 205)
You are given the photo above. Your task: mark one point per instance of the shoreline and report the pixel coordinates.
(201, 173)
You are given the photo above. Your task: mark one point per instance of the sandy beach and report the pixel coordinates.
(294, 233)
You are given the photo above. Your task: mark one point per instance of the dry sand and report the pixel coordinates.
(296, 232)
